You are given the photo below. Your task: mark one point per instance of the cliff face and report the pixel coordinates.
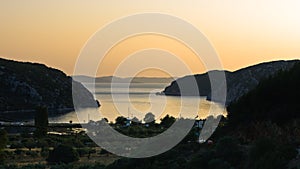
(238, 82)
(23, 86)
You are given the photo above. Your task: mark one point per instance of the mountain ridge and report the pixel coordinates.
(238, 82)
(26, 85)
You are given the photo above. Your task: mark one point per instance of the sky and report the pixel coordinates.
(243, 33)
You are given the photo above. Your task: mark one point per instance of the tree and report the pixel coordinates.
(63, 154)
(274, 99)
(120, 120)
(228, 148)
(266, 153)
(29, 143)
(105, 119)
(41, 121)
(3, 139)
(135, 121)
(149, 118)
(167, 121)
(3, 142)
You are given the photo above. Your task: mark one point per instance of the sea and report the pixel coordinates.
(138, 99)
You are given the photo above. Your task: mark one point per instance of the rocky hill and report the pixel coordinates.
(24, 86)
(275, 99)
(238, 82)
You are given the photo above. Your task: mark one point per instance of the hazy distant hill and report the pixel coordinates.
(238, 82)
(108, 79)
(23, 86)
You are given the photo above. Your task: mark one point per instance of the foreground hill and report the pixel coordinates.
(275, 99)
(23, 86)
(238, 82)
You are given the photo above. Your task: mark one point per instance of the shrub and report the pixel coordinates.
(19, 151)
(218, 164)
(2, 157)
(82, 151)
(32, 153)
(63, 154)
(228, 148)
(29, 143)
(45, 152)
(3, 139)
(103, 151)
(16, 145)
(35, 166)
(266, 154)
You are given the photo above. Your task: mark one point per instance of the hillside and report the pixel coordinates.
(238, 82)
(23, 86)
(275, 99)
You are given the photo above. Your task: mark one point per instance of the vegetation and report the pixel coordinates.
(120, 120)
(266, 154)
(3, 139)
(275, 99)
(63, 154)
(262, 131)
(3, 142)
(41, 121)
(24, 85)
(149, 118)
(167, 121)
(227, 152)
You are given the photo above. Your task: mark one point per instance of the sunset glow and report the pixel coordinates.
(243, 33)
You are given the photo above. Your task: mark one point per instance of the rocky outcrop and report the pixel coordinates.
(238, 82)
(24, 86)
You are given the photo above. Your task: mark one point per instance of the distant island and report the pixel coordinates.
(238, 82)
(109, 79)
(24, 86)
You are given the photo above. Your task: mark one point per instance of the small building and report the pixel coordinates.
(128, 122)
(199, 124)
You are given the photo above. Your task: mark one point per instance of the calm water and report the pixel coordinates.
(140, 101)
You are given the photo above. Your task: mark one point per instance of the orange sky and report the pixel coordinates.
(242, 32)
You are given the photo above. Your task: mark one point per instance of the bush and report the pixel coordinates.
(16, 145)
(201, 160)
(167, 121)
(92, 151)
(29, 143)
(42, 143)
(3, 139)
(19, 151)
(266, 154)
(41, 121)
(2, 157)
(35, 166)
(96, 166)
(10, 166)
(103, 151)
(82, 151)
(218, 164)
(228, 148)
(32, 153)
(63, 154)
(45, 152)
